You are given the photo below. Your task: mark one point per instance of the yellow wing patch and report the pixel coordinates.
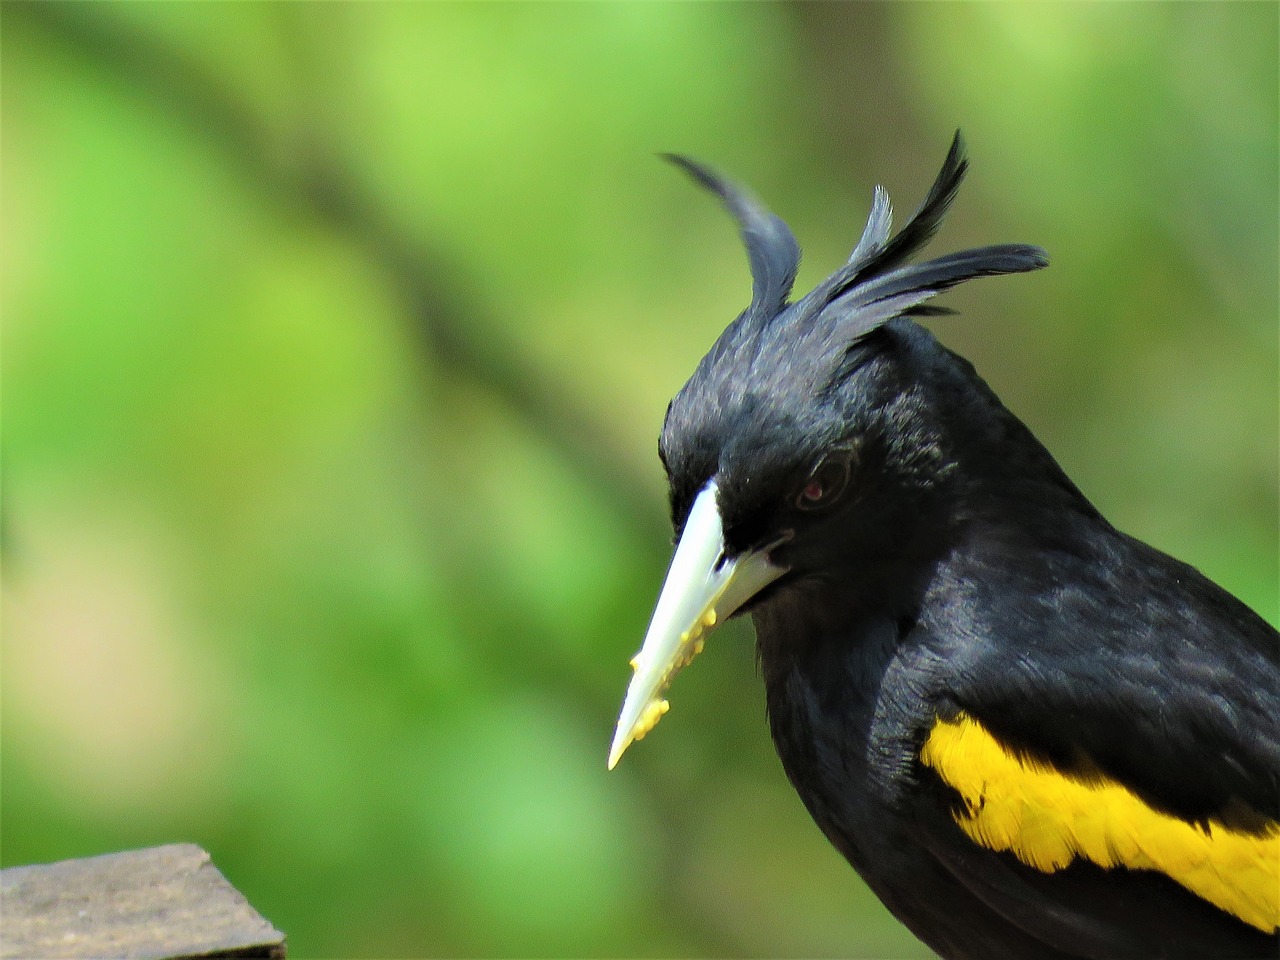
(1047, 818)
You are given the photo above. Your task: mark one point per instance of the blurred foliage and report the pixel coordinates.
(336, 343)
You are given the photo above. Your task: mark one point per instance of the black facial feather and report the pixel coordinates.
(760, 387)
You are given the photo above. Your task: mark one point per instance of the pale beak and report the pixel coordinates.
(702, 589)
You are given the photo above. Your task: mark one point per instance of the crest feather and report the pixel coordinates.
(919, 230)
(876, 284)
(772, 249)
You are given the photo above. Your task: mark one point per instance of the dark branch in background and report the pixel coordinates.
(316, 183)
(312, 182)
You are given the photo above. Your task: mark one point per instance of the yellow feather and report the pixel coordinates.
(1046, 818)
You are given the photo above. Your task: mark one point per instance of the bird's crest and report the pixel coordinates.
(874, 286)
(771, 247)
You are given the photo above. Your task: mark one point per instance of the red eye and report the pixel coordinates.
(826, 483)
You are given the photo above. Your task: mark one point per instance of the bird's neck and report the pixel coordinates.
(850, 619)
(834, 721)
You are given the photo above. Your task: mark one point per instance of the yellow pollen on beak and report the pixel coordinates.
(702, 587)
(692, 643)
(649, 719)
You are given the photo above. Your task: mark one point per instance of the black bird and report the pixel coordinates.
(1033, 735)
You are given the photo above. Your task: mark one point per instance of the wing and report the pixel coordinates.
(1122, 877)
(1121, 762)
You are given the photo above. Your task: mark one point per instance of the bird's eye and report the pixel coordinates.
(826, 483)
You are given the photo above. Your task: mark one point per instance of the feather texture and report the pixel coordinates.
(1047, 819)
(772, 249)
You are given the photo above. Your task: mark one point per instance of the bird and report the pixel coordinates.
(1031, 734)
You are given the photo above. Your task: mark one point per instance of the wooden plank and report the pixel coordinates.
(163, 903)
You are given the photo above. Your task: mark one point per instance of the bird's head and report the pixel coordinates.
(803, 443)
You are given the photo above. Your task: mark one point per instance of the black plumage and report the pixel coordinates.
(1030, 733)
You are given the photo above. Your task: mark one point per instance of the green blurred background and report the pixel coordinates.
(336, 343)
